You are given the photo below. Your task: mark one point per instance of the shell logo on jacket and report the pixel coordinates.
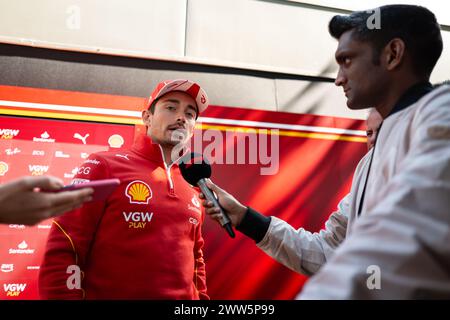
(138, 192)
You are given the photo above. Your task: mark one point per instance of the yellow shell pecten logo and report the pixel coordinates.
(115, 141)
(138, 192)
(3, 168)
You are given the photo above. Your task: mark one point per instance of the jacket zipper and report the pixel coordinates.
(168, 173)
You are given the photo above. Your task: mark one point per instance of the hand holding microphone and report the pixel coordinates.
(233, 208)
(225, 208)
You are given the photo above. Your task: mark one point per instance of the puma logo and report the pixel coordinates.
(80, 137)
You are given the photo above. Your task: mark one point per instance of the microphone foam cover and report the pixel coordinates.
(193, 167)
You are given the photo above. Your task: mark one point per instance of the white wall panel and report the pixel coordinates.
(274, 36)
(261, 34)
(153, 27)
(280, 36)
(442, 70)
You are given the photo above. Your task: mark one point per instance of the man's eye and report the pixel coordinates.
(347, 61)
(369, 133)
(190, 115)
(169, 107)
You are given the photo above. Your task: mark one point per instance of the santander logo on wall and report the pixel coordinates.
(22, 248)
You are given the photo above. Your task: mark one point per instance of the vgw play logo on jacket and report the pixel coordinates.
(14, 289)
(137, 220)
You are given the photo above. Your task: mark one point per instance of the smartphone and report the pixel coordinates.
(102, 188)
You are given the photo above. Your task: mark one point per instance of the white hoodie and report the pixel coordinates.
(404, 231)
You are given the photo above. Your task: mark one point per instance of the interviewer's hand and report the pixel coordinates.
(235, 210)
(22, 202)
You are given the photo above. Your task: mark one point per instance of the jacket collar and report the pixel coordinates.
(412, 95)
(145, 147)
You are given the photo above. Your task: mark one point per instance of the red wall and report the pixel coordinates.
(315, 171)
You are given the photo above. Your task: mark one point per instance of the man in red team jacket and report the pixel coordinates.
(144, 241)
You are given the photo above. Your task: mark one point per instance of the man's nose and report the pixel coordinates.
(340, 79)
(181, 117)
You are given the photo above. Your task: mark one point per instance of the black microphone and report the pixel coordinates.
(195, 170)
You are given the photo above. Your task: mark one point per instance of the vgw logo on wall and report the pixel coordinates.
(8, 133)
(14, 289)
(37, 170)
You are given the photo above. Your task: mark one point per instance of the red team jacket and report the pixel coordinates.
(143, 242)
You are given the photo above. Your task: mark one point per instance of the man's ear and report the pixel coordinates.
(394, 53)
(147, 118)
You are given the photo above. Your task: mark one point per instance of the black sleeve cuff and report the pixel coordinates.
(254, 225)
